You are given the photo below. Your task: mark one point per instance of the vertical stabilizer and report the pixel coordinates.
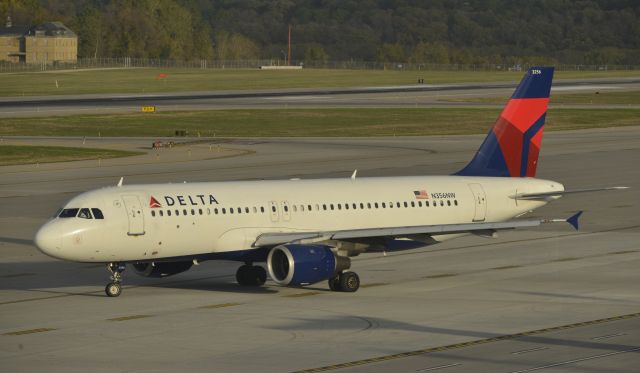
(512, 146)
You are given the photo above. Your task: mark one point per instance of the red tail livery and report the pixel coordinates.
(512, 146)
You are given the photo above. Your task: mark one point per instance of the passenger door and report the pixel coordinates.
(480, 200)
(134, 214)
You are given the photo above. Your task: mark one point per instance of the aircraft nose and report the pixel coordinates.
(49, 240)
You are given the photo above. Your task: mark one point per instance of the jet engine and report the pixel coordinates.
(304, 264)
(164, 269)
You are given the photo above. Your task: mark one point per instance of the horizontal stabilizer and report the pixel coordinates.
(573, 220)
(563, 192)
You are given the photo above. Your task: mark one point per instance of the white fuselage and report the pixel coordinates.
(152, 222)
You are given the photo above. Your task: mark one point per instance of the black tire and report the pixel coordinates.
(260, 275)
(113, 289)
(334, 283)
(349, 282)
(251, 275)
(242, 275)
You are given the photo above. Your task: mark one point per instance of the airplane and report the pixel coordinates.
(306, 231)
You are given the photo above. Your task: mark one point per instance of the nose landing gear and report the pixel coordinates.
(113, 289)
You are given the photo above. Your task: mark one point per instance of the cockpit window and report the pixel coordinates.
(68, 213)
(97, 214)
(85, 214)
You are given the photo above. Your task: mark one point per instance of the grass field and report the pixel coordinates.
(305, 122)
(602, 97)
(22, 154)
(143, 80)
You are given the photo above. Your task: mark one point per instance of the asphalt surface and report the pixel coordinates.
(547, 299)
(424, 95)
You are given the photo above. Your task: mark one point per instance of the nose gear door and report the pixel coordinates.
(134, 214)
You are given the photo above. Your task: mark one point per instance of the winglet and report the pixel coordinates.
(120, 182)
(573, 220)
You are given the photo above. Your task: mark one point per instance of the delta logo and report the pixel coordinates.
(154, 204)
(182, 200)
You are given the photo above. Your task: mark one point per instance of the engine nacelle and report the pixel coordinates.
(304, 264)
(161, 269)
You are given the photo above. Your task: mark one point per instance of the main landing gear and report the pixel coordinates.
(347, 282)
(113, 289)
(250, 275)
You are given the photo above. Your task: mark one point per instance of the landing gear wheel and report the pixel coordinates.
(248, 275)
(113, 289)
(334, 283)
(349, 282)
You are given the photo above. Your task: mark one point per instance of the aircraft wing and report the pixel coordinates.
(562, 193)
(273, 239)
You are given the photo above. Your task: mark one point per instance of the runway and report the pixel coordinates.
(546, 299)
(423, 95)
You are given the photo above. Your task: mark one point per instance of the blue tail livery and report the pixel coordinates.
(512, 146)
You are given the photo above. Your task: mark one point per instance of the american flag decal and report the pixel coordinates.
(421, 194)
(154, 204)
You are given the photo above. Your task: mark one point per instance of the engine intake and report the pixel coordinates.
(164, 269)
(304, 264)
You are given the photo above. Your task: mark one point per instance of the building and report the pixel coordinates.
(46, 43)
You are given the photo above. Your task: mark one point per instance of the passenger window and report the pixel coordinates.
(162, 213)
(309, 207)
(324, 207)
(177, 212)
(286, 208)
(184, 212)
(361, 205)
(193, 212)
(215, 211)
(455, 202)
(302, 208)
(239, 210)
(200, 211)
(85, 214)
(419, 203)
(441, 203)
(255, 210)
(346, 206)
(153, 213)
(426, 203)
(273, 208)
(384, 206)
(413, 204)
(97, 213)
(224, 211)
(230, 210)
(246, 209)
(448, 203)
(168, 212)
(339, 206)
(262, 209)
(354, 206)
(68, 213)
(376, 204)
